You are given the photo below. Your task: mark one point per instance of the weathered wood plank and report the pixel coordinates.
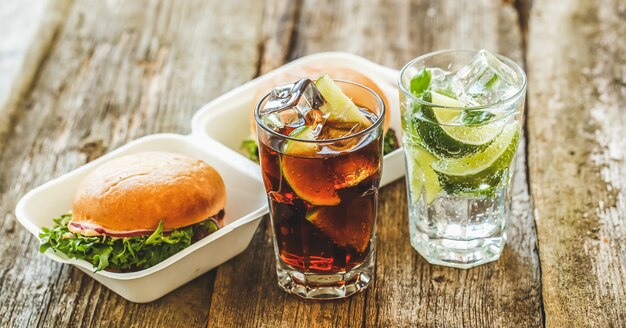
(121, 71)
(116, 71)
(26, 31)
(577, 69)
(407, 291)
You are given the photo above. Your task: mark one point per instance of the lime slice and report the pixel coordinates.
(348, 225)
(451, 141)
(482, 172)
(423, 176)
(309, 177)
(352, 169)
(446, 115)
(471, 135)
(339, 106)
(299, 148)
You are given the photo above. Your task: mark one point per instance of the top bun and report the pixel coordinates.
(313, 72)
(134, 193)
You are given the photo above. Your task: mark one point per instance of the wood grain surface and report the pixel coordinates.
(27, 29)
(577, 69)
(118, 70)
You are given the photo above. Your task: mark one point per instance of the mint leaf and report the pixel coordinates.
(492, 81)
(476, 117)
(420, 82)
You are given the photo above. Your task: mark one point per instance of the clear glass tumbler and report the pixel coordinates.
(323, 199)
(461, 118)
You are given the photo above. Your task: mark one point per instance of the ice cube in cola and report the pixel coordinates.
(322, 194)
(294, 105)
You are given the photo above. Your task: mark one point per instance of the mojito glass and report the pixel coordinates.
(321, 168)
(461, 118)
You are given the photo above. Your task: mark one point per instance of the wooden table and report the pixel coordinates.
(118, 70)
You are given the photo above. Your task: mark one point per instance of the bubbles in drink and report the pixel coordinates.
(441, 80)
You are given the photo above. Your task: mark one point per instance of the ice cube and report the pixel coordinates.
(485, 80)
(332, 131)
(294, 105)
(440, 80)
(340, 130)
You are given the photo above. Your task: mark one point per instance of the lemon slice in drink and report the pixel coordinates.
(482, 172)
(443, 132)
(423, 176)
(340, 107)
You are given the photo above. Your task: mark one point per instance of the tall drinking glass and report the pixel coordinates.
(322, 197)
(461, 119)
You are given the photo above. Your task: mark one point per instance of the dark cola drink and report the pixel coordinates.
(322, 168)
(323, 206)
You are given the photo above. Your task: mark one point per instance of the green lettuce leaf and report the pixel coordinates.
(119, 254)
(390, 142)
(251, 148)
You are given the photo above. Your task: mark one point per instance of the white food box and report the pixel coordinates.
(245, 206)
(226, 119)
(217, 131)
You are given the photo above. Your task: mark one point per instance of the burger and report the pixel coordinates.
(250, 145)
(135, 211)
